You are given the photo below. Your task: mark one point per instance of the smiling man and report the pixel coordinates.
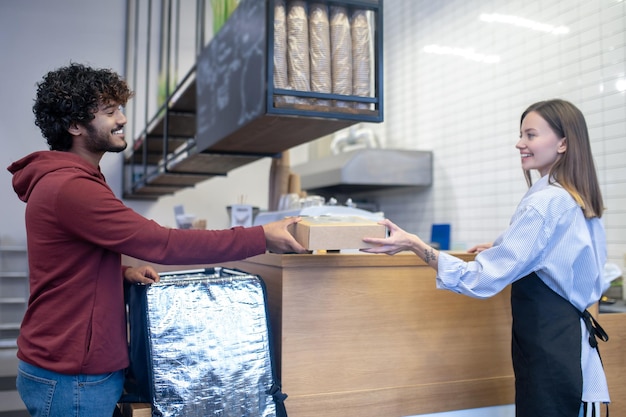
(72, 345)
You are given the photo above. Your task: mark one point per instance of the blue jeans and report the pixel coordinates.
(50, 394)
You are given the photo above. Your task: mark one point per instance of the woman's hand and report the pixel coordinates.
(397, 241)
(480, 248)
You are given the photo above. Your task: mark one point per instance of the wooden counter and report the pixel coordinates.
(370, 335)
(360, 335)
(614, 359)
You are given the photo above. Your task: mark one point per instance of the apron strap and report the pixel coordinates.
(593, 409)
(594, 329)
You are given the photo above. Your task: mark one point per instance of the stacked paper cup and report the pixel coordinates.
(280, 49)
(361, 61)
(298, 47)
(319, 43)
(341, 57)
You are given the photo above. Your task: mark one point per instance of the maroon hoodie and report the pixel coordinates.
(76, 232)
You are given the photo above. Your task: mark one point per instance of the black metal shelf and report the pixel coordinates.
(226, 112)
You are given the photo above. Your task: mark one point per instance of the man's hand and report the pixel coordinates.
(142, 274)
(279, 240)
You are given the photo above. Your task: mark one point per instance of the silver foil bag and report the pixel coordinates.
(200, 346)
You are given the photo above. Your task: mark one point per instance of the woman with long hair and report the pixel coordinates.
(553, 254)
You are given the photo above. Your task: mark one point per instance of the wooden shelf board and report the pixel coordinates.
(272, 134)
(155, 144)
(155, 191)
(179, 124)
(185, 97)
(213, 163)
(175, 180)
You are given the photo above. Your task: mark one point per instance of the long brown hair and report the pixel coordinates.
(574, 170)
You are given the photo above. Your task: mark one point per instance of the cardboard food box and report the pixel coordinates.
(336, 232)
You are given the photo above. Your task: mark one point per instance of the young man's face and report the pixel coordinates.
(106, 130)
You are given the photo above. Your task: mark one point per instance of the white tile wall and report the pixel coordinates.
(468, 112)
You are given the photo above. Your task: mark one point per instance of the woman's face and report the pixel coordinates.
(539, 146)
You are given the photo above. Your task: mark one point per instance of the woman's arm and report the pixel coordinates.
(400, 241)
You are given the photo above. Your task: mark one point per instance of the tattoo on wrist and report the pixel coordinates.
(429, 255)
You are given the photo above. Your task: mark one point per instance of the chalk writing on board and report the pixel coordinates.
(231, 75)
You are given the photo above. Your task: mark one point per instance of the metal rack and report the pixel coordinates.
(13, 292)
(194, 135)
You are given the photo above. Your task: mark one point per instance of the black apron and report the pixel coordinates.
(546, 350)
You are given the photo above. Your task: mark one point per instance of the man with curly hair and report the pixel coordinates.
(72, 346)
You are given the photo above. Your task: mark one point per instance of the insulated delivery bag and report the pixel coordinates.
(200, 345)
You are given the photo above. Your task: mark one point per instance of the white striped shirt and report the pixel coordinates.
(549, 235)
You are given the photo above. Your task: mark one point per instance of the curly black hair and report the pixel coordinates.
(72, 94)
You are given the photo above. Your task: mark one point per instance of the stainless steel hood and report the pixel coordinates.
(366, 170)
